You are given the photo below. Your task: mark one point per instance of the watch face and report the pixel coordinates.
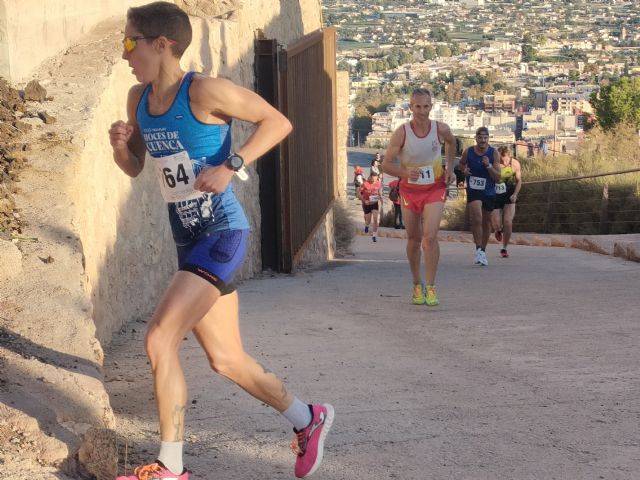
(235, 161)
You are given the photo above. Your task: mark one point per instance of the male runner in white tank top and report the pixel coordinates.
(414, 155)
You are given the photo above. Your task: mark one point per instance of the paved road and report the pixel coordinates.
(528, 370)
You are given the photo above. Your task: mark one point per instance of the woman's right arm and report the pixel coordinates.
(125, 138)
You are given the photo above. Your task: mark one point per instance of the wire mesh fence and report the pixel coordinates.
(604, 203)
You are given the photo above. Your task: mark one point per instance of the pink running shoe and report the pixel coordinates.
(309, 442)
(153, 471)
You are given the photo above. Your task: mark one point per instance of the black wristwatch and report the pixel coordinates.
(234, 162)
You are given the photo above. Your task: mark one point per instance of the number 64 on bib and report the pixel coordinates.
(176, 177)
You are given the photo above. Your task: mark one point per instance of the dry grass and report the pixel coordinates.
(577, 207)
(453, 214)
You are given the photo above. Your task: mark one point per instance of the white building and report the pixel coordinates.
(454, 116)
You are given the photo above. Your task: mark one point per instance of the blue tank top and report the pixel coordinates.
(206, 144)
(474, 161)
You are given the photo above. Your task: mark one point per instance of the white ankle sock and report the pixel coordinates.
(171, 456)
(299, 414)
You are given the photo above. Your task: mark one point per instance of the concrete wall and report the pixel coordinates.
(320, 247)
(33, 30)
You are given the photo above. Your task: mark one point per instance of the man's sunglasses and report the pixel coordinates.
(130, 43)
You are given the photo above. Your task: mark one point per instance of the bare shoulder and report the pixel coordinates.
(516, 164)
(398, 134)
(442, 127)
(135, 92)
(204, 87)
(133, 99)
(444, 132)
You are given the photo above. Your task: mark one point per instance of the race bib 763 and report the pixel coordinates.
(477, 183)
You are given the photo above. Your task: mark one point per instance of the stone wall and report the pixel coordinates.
(102, 253)
(33, 30)
(320, 247)
(122, 222)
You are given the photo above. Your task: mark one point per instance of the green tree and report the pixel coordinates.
(573, 54)
(439, 34)
(443, 51)
(574, 75)
(405, 57)
(429, 53)
(529, 54)
(361, 125)
(344, 65)
(618, 102)
(591, 68)
(453, 92)
(455, 48)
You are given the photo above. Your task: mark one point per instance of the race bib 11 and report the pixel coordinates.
(176, 177)
(426, 176)
(477, 183)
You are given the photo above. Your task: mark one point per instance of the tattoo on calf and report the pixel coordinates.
(265, 369)
(283, 391)
(178, 422)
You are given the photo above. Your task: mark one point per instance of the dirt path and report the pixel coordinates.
(528, 370)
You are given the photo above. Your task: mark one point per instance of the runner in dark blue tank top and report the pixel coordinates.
(180, 124)
(481, 164)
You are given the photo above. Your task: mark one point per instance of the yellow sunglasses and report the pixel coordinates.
(130, 43)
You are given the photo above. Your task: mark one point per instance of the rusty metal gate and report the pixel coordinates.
(298, 180)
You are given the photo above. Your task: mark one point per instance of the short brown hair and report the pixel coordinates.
(163, 19)
(503, 150)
